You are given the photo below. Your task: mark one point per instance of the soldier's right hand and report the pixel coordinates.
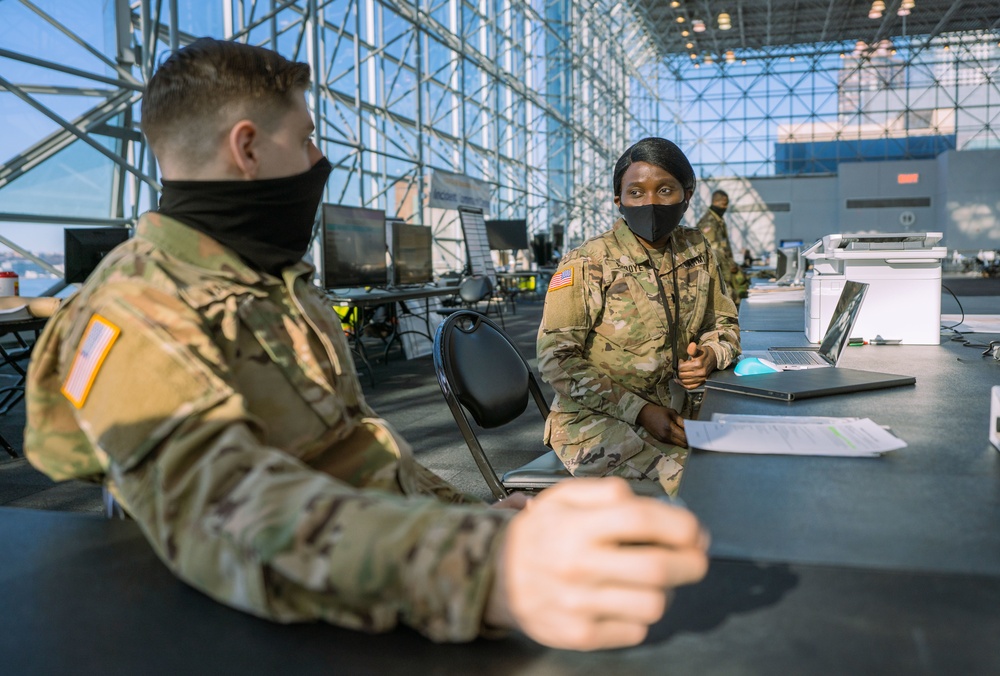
(664, 424)
(589, 565)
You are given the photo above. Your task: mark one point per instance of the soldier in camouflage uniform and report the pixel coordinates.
(614, 340)
(203, 378)
(713, 226)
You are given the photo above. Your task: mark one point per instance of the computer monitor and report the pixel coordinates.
(354, 246)
(784, 243)
(789, 262)
(507, 235)
(85, 247)
(412, 258)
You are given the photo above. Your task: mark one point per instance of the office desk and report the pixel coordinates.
(772, 316)
(84, 595)
(933, 506)
(357, 300)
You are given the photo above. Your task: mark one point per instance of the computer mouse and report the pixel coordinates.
(749, 366)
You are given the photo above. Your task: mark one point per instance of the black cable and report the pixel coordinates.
(959, 337)
(960, 309)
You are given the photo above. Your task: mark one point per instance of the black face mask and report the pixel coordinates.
(653, 221)
(719, 210)
(268, 223)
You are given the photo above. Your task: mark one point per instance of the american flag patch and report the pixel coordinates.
(561, 279)
(97, 341)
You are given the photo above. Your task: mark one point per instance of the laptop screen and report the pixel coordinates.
(843, 319)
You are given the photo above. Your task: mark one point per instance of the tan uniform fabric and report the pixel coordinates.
(713, 227)
(605, 347)
(228, 420)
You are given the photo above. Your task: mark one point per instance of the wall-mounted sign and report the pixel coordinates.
(907, 218)
(451, 191)
(904, 179)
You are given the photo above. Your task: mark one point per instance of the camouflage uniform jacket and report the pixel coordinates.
(604, 344)
(222, 409)
(713, 226)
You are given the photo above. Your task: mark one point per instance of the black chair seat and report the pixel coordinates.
(540, 473)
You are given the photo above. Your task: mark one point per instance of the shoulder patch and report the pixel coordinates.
(561, 279)
(94, 347)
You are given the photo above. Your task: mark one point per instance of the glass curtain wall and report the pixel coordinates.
(536, 98)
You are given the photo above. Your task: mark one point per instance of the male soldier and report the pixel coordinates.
(201, 375)
(713, 227)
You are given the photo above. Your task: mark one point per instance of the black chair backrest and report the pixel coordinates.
(486, 372)
(475, 289)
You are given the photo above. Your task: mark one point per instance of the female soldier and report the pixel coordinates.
(633, 319)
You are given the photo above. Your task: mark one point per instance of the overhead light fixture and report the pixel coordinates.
(902, 11)
(843, 56)
(791, 59)
(680, 19)
(743, 62)
(698, 26)
(879, 6)
(684, 34)
(694, 56)
(675, 4)
(697, 65)
(874, 15)
(730, 56)
(709, 59)
(690, 45)
(725, 22)
(908, 4)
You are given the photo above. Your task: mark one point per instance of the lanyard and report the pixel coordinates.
(674, 327)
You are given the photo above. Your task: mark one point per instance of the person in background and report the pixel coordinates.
(713, 226)
(206, 381)
(634, 319)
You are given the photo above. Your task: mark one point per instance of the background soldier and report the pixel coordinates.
(713, 226)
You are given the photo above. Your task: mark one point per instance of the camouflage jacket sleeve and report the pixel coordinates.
(572, 307)
(714, 229)
(720, 328)
(248, 523)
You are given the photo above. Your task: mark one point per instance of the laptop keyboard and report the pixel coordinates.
(795, 357)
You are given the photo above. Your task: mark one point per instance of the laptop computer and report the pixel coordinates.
(795, 385)
(845, 315)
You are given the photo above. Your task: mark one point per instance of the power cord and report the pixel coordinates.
(959, 337)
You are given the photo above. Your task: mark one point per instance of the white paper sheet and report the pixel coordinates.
(845, 437)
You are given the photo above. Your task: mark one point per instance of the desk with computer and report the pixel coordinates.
(930, 510)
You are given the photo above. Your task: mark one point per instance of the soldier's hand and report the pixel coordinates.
(589, 565)
(693, 371)
(665, 424)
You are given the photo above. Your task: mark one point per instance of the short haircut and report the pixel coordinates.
(661, 153)
(203, 88)
(720, 193)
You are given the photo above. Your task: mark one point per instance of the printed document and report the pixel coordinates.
(791, 435)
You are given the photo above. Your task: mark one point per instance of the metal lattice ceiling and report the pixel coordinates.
(761, 24)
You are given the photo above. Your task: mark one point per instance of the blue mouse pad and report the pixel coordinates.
(792, 385)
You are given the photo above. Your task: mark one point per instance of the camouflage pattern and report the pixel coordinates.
(713, 227)
(605, 347)
(228, 420)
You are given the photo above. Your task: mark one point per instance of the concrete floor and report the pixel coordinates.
(406, 393)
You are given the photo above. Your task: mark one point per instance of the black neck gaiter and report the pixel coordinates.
(720, 211)
(269, 223)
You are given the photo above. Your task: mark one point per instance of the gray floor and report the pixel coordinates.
(407, 394)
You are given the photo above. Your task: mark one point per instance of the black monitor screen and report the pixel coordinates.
(85, 247)
(412, 261)
(507, 235)
(354, 246)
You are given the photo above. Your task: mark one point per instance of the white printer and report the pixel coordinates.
(903, 271)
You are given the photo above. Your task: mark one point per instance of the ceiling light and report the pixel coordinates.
(843, 56)
(724, 22)
(879, 6)
(697, 65)
(947, 47)
(791, 59)
(902, 12)
(675, 4)
(680, 19)
(684, 34)
(698, 26)
(908, 4)
(730, 56)
(690, 45)
(743, 62)
(694, 56)
(874, 15)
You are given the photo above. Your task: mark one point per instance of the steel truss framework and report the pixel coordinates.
(535, 97)
(731, 117)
